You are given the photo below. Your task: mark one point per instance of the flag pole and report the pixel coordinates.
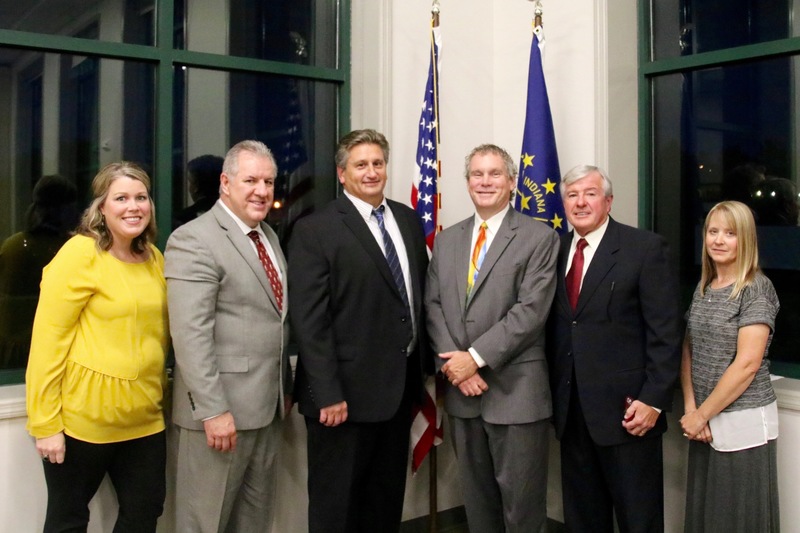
(426, 428)
(433, 487)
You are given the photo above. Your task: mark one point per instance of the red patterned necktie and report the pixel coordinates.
(269, 268)
(575, 274)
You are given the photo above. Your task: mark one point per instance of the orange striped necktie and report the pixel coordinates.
(478, 253)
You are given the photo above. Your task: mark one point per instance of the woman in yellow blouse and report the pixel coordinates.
(95, 378)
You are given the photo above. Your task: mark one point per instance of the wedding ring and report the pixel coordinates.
(685, 435)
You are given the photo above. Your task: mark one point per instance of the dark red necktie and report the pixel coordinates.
(269, 268)
(575, 274)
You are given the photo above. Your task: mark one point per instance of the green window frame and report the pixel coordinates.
(648, 71)
(164, 56)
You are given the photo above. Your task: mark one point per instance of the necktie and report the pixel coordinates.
(478, 253)
(269, 268)
(391, 255)
(575, 274)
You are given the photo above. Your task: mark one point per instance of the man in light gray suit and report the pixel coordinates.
(226, 287)
(490, 285)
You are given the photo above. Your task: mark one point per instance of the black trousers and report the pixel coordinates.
(136, 469)
(598, 482)
(357, 474)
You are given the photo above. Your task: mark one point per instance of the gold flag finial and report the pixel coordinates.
(435, 9)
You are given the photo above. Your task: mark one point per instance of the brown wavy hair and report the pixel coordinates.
(93, 223)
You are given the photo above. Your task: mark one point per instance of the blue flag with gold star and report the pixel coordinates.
(537, 192)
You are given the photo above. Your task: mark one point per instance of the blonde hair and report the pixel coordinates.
(93, 223)
(738, 217)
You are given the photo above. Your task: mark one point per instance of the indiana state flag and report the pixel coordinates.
(537, 193)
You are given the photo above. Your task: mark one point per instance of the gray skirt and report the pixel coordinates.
(732, 491)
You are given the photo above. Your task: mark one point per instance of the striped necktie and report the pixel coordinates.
(391, 255)
(478, 253)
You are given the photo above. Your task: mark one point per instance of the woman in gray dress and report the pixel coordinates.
(731, 413)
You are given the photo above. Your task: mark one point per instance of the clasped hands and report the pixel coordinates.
(462, 371)
(695, 426)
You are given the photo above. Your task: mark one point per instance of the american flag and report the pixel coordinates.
(426, 427)
(424, 192)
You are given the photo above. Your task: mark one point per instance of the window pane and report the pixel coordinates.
(128, 21)
(71, 115)
(731, 133)
(295, 118)
(292, 31)
(682, 27)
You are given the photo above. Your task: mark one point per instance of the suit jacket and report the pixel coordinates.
(504, 320)
(624, 337)
(228, 335)
(349, 320)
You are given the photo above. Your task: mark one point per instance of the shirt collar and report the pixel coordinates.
(364, 208)
(242, 226)
(493, 222)
(593, 238)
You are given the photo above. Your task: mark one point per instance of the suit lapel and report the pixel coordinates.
(461, 258)
(407, 232)
(241, 243)
(355, 222)
(604, 260)
(281, 266)
(561, 287)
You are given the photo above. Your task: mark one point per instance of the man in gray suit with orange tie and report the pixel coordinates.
(226, 285)
(490, 285)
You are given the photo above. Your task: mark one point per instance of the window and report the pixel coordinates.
(721, 104)
(159, 82)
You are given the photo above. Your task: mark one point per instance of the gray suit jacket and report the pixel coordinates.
(504, 320)
(229, 338)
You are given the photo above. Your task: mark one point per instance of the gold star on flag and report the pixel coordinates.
(524, 202)
(556, 221)
(549, 186)
(527, 160)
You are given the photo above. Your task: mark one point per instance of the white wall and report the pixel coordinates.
(483, 84)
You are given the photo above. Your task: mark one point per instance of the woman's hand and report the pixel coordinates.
(52, 448)
(704, 435)
(695, 426)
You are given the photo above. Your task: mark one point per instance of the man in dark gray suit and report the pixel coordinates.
(226, 284)
(488, 295)
(357, 277)
(614, 352)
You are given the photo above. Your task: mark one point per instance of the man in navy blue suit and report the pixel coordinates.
(614, 353)
(357, 273)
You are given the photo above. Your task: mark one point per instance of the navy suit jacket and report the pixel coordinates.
(348, 318)
(624, 337)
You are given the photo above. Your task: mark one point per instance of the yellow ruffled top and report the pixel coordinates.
(96, 366)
